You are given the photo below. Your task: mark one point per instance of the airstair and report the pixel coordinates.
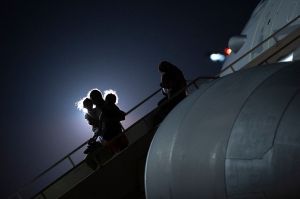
(118, 176)
(122, 175)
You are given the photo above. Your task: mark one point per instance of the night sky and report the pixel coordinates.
(52, 54)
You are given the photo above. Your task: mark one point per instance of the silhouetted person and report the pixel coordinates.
(110, 118)
(173, 86)
(94, 156)
(92, 115)
(173, 82)
(97, 99)
(93, 118)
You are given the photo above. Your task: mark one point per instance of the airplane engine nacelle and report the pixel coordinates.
(236, 137)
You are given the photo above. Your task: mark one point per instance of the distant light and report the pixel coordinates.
(227, 51)
(215, 57)
(288, 58)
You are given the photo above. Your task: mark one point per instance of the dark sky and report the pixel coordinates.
(53, 53)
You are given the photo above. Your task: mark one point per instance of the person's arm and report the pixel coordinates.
(122, 115)
(99, 132)
(166, 85)
(91, 119)
(166, 82)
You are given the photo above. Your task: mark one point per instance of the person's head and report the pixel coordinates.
(96, 97)
(87, 103)
(110, 98)
(165, 66)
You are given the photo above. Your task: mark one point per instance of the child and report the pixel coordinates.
(92, 116)
(110, 118)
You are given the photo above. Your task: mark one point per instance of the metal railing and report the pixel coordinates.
(68, 156)
(273, 36)
(194, 83)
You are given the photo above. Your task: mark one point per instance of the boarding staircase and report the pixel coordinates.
(122, 175)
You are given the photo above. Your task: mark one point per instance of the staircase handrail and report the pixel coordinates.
(153, 94)
(83, 144)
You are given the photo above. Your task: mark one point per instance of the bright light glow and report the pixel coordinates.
(79, 103)
(288, 58)
(227, 51)
(106, 92)
(217, 57)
